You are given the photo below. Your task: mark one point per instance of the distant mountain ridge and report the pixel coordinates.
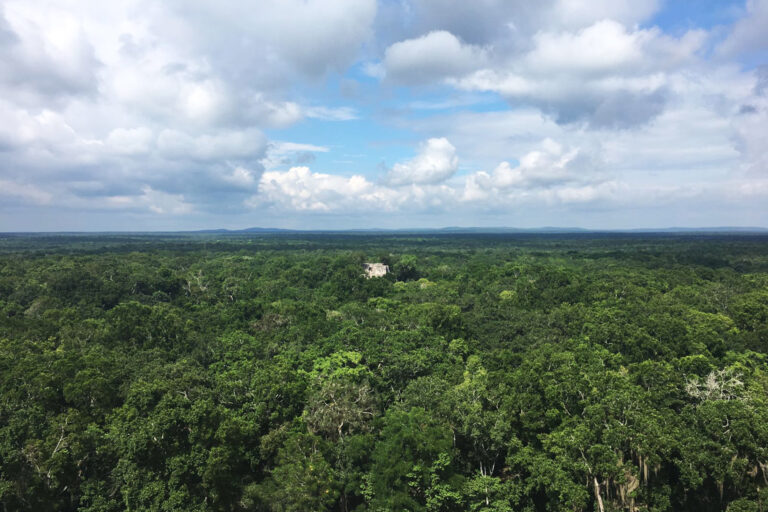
(449, 230)
(494, 230)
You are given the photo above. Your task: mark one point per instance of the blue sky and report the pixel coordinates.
(188, 114)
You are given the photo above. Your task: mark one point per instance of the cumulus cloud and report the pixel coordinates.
(232, 145)
(155, 201)
(551, 170)
(130, 141)
(502, 23)
(608, 47)
(415, 184)
(434, 56)
(274, 42)
(159, 107)
(303, 190)
(604, 74)
(46, 58)
(750, 127)
(549, 173)
(748, 36)
(11, 189)
(300, 190)
(22, 129)
(163, 108)
(241, 177)
(435, 163)
(280, 153)
(589, 61)
(579, 13)
(607, 191)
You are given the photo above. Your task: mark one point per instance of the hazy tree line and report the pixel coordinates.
(483, 374)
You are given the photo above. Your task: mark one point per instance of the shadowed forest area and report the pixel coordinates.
(578, 372)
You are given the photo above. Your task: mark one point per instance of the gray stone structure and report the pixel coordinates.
(375, 269)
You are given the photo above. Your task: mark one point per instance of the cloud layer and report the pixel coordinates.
(198, 114)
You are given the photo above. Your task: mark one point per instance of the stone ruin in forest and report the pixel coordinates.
(375, 269)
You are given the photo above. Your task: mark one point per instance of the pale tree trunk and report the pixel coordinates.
(598, 497)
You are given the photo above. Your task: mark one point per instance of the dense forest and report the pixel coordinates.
(483, 373)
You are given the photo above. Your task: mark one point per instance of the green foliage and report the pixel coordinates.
(302, 478)
(486, 373)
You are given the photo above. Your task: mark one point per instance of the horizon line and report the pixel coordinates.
(444, 229)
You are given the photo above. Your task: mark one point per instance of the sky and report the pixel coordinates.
(335, 114)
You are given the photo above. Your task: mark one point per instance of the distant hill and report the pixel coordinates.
(722, 229)
(458, 230)
(493, 230)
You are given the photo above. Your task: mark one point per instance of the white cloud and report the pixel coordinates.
(281, 154)
(750, 128)
(273, 114)
(551, 164)
(160, 202)
(242, 177)
(550, 171)
(300, 189)
(24, 191)
(579, 13)
(130, 141)
(748, 36)
(606, 46)
(45, 128)
(478, 22)
(138, 106)
(604, 74)
(225, 145)
(275, 40)
(430, 58)
(503, 22)
(435, 163)
(150, 200)
(331, 114)
(374, 70)
(694, 139)
(415, 184)
(606, 191)
(46, 55)
(103, 100)
(278, 147)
